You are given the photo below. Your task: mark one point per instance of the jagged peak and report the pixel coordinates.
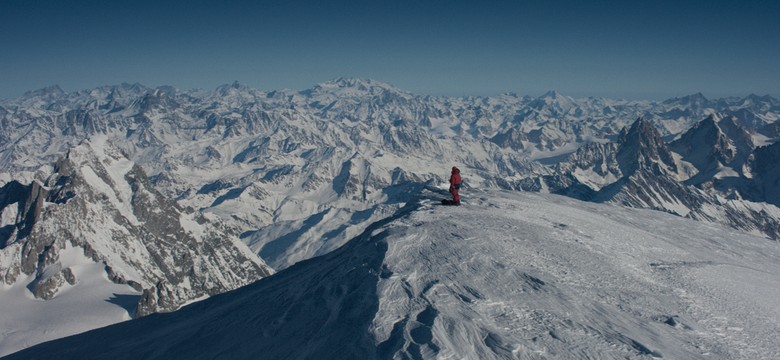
(711, 120)
(640, 146)
(641, 126)
(708, 127)
(722, 123)
(642, 133)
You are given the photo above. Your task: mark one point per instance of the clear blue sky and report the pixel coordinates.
(634, 49)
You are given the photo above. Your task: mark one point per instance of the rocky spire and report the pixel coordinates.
(642, 148)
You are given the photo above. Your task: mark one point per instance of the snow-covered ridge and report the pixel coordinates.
(508, 275)
(94, 226)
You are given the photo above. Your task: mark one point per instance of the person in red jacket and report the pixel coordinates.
(455, 185)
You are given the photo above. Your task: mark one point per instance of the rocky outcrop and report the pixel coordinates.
(641, 148)
(640, 170)
(765, 170)
(96, 200)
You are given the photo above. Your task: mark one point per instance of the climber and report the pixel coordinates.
(455, 185)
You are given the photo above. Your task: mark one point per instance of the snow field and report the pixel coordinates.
(505, 276)
(543, 276)
(94, 301)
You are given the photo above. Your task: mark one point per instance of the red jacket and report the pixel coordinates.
(455, 179)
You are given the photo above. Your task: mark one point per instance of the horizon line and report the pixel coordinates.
(636, 96)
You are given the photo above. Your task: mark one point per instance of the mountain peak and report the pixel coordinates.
(641, 146)
(641, 129)
(159, 99)
(705, 145)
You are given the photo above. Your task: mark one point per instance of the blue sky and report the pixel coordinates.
(632, 49)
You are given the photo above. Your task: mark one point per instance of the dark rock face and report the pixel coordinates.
(512, 138)
(154, 244)
(705, 145)
(639, 170)
(713, 144)
(641, 147)
(765, 166)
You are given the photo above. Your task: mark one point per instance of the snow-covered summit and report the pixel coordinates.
(508, 275)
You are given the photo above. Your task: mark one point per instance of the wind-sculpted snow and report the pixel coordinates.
(505, 276)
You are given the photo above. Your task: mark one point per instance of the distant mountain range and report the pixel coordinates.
(713, 172)
(297, 174)
(255, 158)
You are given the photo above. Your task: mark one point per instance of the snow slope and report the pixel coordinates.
(99, 244)
(507, 275)
(94, 301)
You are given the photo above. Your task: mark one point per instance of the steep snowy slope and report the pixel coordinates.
(507, 275)
(93, 234)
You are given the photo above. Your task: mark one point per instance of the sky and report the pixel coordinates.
(653, 49)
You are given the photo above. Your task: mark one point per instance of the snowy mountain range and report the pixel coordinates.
(255, 158)
(294, 175)
(710, 177)
(508, 276)
(95, 214)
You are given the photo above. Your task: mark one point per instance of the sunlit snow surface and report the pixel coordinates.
(506, 275)
(94, 301)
